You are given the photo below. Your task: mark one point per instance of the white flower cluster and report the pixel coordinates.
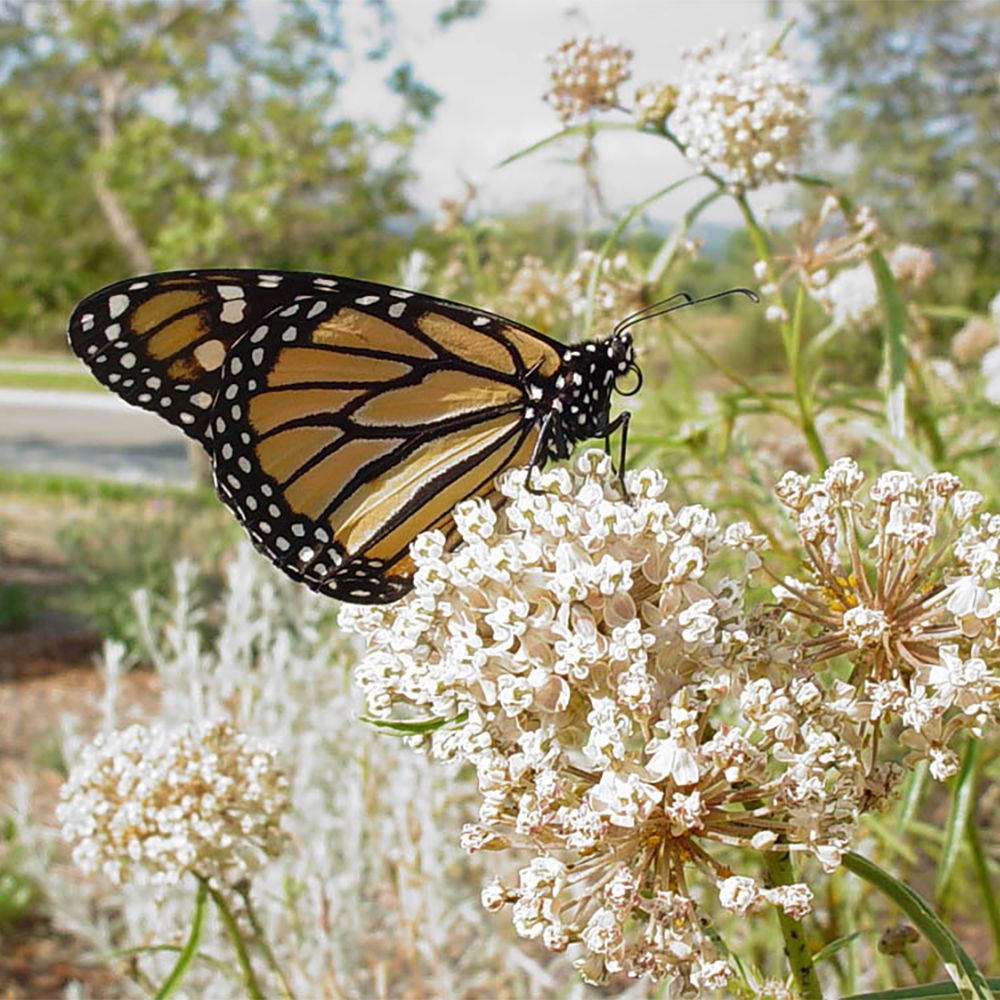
(152, 804)
(741, 111)
(585, 73)
(904, 582)
(851, 295)
(626, 721)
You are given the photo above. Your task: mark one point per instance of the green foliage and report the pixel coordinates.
(116, 550)
(144, 135)
(18, 893)
(915, 101)
(15, 612)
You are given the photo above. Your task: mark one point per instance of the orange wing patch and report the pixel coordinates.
(159, 308)
(438, 395)
(276, 407)
(467, 343)
(312, 492)
(351, 328)
(282, 455)
(296, 365)
(533, 351)
(377, 502)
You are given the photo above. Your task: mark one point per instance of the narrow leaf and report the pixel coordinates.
(929, 991)
(612, 239)
(962, 801)
(564, 134)
(893, 345)
(971, 983)
(414, 727)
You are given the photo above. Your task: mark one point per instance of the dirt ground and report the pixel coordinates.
(46, 672)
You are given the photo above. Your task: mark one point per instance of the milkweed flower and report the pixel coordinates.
(903, 583)
(741, 111)
(151, 804)
(585, 74)
(628, 723)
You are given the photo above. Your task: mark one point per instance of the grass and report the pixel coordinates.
(84, 489)
(49, 381)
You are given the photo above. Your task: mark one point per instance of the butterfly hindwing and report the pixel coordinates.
(344, 426)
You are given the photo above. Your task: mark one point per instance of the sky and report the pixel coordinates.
(491, 74)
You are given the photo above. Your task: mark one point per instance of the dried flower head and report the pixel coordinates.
(151, 804)
(628, 725)
(973, 339)
(585, 73)
(654, 102)
(742, 111)
(534, 294)
(617, 292)
(902, 585)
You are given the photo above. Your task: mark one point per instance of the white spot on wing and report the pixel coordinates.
(117, 304)
(367, 300)
(231, 291)
(481, 321)
(397, 309)
(233, 310)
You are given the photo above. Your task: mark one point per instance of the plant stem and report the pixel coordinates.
(983, 880)
(190, 948)
(242, 955)
(244, 890)
(778, 866)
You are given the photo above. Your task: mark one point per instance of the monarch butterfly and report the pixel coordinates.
(344, 417)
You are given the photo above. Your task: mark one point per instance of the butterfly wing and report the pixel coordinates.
(159, 340)
(343, 417)
(349, 423)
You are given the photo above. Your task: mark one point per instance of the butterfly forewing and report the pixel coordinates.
(342, 417)
(159, 341)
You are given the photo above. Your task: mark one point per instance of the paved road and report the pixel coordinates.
(93, 434)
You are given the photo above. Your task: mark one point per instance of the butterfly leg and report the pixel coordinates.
(538, 453)
(621, 421)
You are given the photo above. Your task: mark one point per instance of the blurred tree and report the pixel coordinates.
(916, 98)
(138, 134)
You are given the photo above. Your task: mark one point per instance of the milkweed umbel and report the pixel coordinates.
(343, 417)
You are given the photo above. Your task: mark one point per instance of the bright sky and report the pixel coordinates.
(491, 74)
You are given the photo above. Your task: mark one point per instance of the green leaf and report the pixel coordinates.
(582, 129)
(894, 343)
(962, 801)
(414, 727)
(831, 949)
(929, 991)
(970, 982)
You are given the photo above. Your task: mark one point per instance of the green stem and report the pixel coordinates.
(242, 955)
(969, 981)
(190, 949)
(286, 990)
(802, 396)
(983, 880)
(778, 866)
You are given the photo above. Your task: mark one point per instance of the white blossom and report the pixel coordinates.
(741, 111)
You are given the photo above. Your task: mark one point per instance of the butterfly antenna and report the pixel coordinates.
(668, 305)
